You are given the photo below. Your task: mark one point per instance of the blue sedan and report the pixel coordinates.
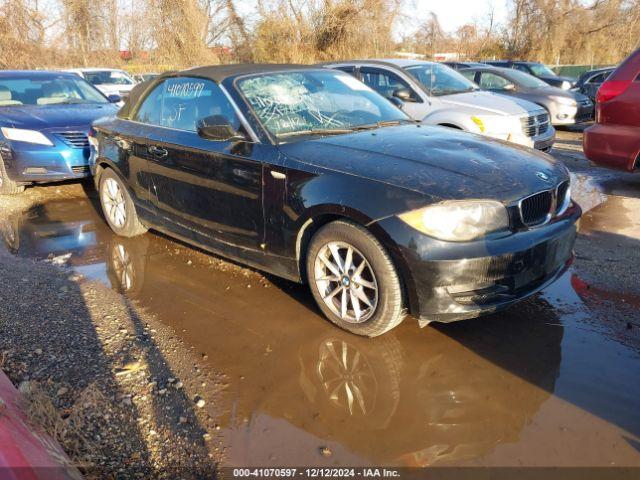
(45, 118)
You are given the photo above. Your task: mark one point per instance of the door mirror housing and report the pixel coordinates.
(404, 94)
(218, 129)
(114, 98)
(397, 102)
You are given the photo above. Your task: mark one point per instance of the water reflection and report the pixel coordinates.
(411, 397)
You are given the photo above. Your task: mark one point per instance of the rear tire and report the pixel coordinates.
(353, 279)
(117, 206)
(8, 186)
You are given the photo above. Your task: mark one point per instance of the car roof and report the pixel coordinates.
(217, 73)
(35, 73)
(390, 62)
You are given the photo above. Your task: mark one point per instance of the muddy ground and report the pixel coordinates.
(148, 357)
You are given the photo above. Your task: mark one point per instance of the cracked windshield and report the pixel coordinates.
(299, 103)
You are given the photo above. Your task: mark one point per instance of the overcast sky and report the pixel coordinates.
(454, 13)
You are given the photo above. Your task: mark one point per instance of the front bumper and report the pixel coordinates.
(543, 141)
(566, 115)
(449, 281)
(31, 163)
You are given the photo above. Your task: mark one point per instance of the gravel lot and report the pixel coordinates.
(196, 362)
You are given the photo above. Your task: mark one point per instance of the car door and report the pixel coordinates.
(208, 191)
(386, 82)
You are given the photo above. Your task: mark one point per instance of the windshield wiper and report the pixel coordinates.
(383, 123)
(318, 131)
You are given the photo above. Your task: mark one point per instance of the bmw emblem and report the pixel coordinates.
(542, 176)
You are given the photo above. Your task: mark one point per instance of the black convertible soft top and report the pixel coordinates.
(217, 73)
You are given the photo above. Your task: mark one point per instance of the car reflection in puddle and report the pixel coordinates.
(443, 395)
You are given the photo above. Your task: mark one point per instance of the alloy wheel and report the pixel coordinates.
(346, 282)
(114, 202)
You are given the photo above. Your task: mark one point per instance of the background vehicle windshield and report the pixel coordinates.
(441, 80)
(527, 80)
(541, 70)
(108, 77)
(298, 102)
(23, 90)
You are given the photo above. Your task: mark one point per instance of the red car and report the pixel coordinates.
(614, 141)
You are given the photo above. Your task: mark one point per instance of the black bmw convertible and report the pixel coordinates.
(308, 174)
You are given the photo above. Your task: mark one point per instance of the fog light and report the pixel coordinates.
(562, 116)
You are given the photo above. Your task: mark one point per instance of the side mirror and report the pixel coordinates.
(218, 129)
(397, 102)
(114, 98)
(509, 87)
(404, 94)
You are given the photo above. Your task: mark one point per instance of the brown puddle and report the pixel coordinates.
(541, 384)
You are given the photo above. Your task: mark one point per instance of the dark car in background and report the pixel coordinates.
(564, 107)
(44, 121)
(461, 65)
(589, 82)
(308, 174)
(536, 69)
(614, 141)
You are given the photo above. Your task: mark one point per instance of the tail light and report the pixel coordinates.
(611, 89)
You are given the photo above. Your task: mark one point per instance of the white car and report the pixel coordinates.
(109, 81)
(438, 95)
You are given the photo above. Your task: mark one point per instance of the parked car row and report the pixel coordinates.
(314, 174)
(438, 95)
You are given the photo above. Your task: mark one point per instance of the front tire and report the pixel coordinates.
(117, 206)
(353, 280)
(8, 186)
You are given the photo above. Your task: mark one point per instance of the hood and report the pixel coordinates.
(40, 117)
(435, 161)
(489, 102)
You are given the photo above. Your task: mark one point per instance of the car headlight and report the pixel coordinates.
(565, 85)
(28, 136)
(567, 102)
(458, 220)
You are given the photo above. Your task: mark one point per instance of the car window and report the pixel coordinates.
(108, 77)
(180, 102)
(526, 80)
(522, 68)
(491, 81)
(469, 75)
(541, 70)
(439, 79)
(599, 78)
(384, 82)
(301, 103)
(47, 90)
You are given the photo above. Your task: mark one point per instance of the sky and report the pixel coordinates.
(454, 13)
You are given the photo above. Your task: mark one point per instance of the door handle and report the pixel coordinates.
(158, 152)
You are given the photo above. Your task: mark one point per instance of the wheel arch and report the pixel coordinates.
(315, 222)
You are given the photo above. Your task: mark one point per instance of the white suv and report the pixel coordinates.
(438, 95)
